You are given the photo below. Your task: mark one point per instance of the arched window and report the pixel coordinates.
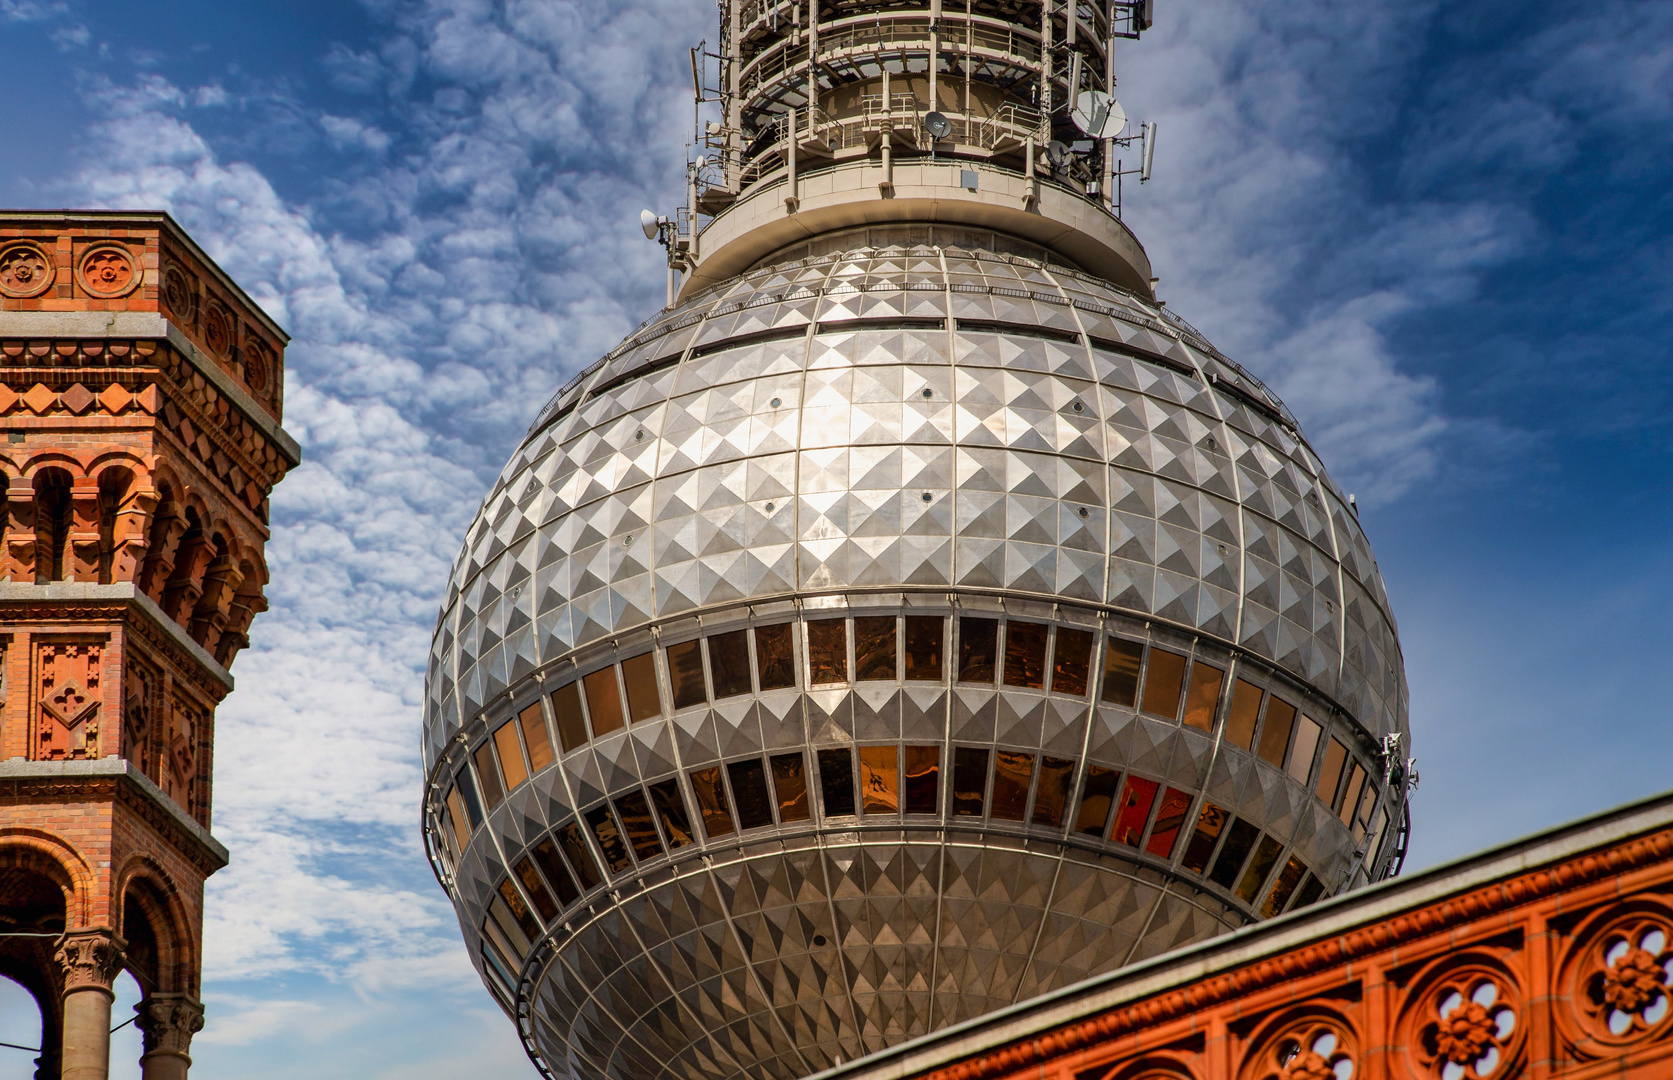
(53, 517)
(114, 485)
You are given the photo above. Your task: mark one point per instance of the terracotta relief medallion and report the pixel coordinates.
(217, 329)
(256, 366)
(107, 271)
(25, 269)
(177, 294)
(1619, 977)
(1466, 1024)
(1314, 1046)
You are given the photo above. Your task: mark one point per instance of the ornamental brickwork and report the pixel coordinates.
(1548, 959)
(140, 397)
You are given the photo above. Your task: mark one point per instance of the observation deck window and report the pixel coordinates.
(535, 737)
(836, 782)
(1350, 797)
(456, 817)
(511, 755)
(880, 779)
(536, 889)
(1275, 731)
(604, 701)
(520, 913)
(970, 781)
(1240, 840)
(1164, 681)
(1202, 701)
(635, 814)
(1025, 654)
(775, 656)
(1136, 801)
(1096, 799)
(609, 836)
(874, 648)
(580, 856)
(924, 636)
(1211, 822)
(790, 785)
(685, 675)
(488, 774)
(749, 793)
(729, 663)
(1266, 856)
(644, 700)
(712, 806)
(1330, 775)
(827, 651)
(670, 811)
(1282, 889)
(978, 639)
(1071, 662)
(923, 779)
(545, 855)
(1311, 889)
(1170, 818)
(1121, 672)
(566, 710)
(1306, 746)
(1244, 714)
(1013, 774)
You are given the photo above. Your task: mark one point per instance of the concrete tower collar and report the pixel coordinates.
(832, 114)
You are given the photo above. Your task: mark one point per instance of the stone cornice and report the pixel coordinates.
(119, 778)
(44, 601)
(149, 326)
(1035, 1035)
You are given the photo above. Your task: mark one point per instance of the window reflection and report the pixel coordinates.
(1012, 774)
(1097, 796)
(1307, 734)
(670, 810)
(1266, 855)
(1170, 818)
(1244, 713)
(1288, 878)
(609, 837)
(1121, 672)
(836, 782)
(644, 700)
(923, 647)
(1204, 696)
(566, 710)
(1240, 838)
(711, 803)
(466, 788)
(492, 793)
(1052, 793)
(511, 755)
(1071, 662)
(536, 889)
(923, 779)
(790, 785)
(1164, 681)
(970, 781)
(456, 818)
(1311, 889)
(827, 651)
(977, 641)
(879, 778)
(580, 856)
(1275, 731)
(1136, 800)
(1350, 799)
(635, 813)
(535, 738)
(1210, 823)
(1330, 775)
(729, 663)
(775, 656)
(557, 874)
(749, 793)
(874, 648)
(522, 919)
(604, 701)
(685, 674)
(1025, 655)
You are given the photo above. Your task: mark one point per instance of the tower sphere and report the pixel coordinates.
(913, 618)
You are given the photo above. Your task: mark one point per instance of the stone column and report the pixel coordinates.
(169, 1021)
(88, 961)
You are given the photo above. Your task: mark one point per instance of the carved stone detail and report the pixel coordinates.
(89, 958)
(1312, 1046)
(67, 722)
(1467, 1023)
(217, 329)
(178, 295)
(25, 269)
(107, 271)
(1619, 976)
(169, 1021)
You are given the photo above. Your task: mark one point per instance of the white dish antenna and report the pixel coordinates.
(1098, 115)
(648, 224)
(938, 125)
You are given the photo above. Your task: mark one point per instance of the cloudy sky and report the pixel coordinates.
(1439, 231)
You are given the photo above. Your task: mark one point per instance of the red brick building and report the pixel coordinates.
(140, 396)
(1547, 958)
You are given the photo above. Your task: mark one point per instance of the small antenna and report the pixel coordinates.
(648, 223)
(1149, 151)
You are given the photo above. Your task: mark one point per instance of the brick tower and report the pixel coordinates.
(140, 394)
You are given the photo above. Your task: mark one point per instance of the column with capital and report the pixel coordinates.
(169, 1021)
(88, 961)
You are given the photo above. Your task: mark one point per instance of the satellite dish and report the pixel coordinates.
(1057, 154)
(937, 125)
(648, 224)
(1098, 115)
(702, 162)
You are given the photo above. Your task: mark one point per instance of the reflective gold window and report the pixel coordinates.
(1164, 680)
(1284, 888)
(1071, 662)
(536, 889)
(1311, 889)
(557, 874)
(1136, 800)
(1012, 775)
(566, 710)
(492, 793)
(1025, 655)
(580, 856)
(923, 779)
(712, 804)
(1051, 795)
(879, 778)
(827, 651)
(1240, 839)
(1121, 672)
(1096, 798)
(604, 701)
(511, 754)
(535, 738)
(1307, 734)
(1275, 731)
(970, 781)
(1244, 714)
(977, 641)
(635, 813)
(729, 663)
(1330, 775)
(775, 656)
(874, 648)
(1211, 822)
(749, 793)
(609, 837)
(1204, 696)
(836, 782)
(790, 787)
(466, 788)
(456, 818)
(670, 810)
(923, 647)
(1170, 818)
(1266, 856)
(519, 911)
(644, 700)
(1350, 796)
(685, 674)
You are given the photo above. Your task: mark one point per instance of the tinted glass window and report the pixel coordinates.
(729, 663)
(977, 641)
(511, 754)
(566, 710)
(1210, 824)
(923, 779)
(1245, 711)
(557, 874)
(1170, 818)
(1012, 774)
(519, 911)
(1240, 838)
(1283, 888)
(749, 789)
(492, 793)
(874, 648)
(970, 781)
(1204, 696)
(1307, 734)
(644, 700)
(1136, 801)
(539, 743)
(685, 674)
(1350, 796)
(1311, 889)
(1096, 799)
(609, 837)
(456, 818)
(1266, 855)
(580, 856)
(670, 810)
(1071, 661)
(1275, 730)
(775, 656)
(1052, 793)
(923, 647)
(827, 651)
(1330, 775)
(635, 813)
(1121, 672)
(604, 701)
(466, 787)
(836, 782)
(712, 804)
(790, 786)
(879, 779)
(1025, 655)
(536, 889)
(1164, 681)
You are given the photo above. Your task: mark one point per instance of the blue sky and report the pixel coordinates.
(1440, 231)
